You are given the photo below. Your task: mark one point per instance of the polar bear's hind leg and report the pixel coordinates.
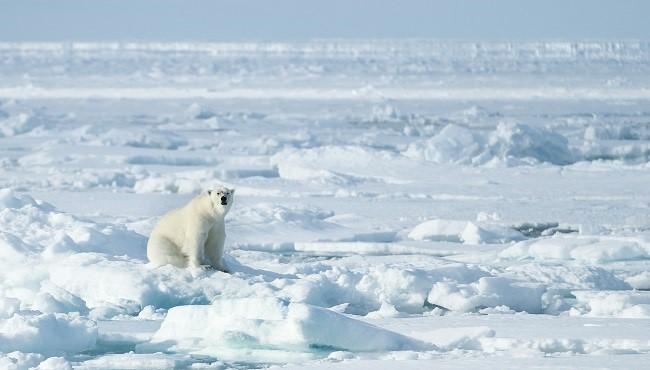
(162, 251)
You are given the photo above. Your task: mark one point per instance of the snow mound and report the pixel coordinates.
(19, 124)
(438, 230)
(626, 304)
(565, 277)
(509, 143)
(338, 165)
(628, 142)
(270, 324)
(587, 249)
(453, 144)
(9, 199)
(19, 361)
(488, 292)
(43, 333)
(364, 291)
(54, 363)
(464, 231)
(564, 346)
(639, 281)
(318, 165)
(623, 304)
(523, 142)
(8, 306)
(30, 229)
(386, 310)
(111, 286)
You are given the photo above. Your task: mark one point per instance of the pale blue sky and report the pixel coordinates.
(186, 20)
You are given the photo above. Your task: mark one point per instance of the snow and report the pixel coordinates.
(411, 204)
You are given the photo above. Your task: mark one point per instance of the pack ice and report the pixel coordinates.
(401, 204)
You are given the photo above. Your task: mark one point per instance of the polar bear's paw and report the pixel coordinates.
(223, 268)
(200, 271)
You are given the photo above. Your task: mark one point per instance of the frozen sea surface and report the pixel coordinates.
(414, 203)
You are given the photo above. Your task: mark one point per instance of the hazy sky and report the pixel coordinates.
(218, 20)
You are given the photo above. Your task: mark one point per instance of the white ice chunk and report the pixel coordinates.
(386, 310)
(8, 306)
(488, 292)
(54, 363)
(19, 124)
(44, 333)
(270, 324)
(624, 304)
(438, 229)
(475, 233)
(9, 199)
(596, 249)
(509, 143)
(559, 276)
(464, 231)
(640, 280)
(19, 361)
(453, 144)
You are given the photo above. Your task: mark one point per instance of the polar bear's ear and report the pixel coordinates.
(232, 191)
(209, 192)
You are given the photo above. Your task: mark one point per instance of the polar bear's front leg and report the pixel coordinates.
(193, 246)
(214, 247)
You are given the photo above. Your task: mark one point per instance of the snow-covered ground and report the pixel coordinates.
(417, 204)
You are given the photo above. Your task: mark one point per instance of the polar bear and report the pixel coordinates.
(193, 235)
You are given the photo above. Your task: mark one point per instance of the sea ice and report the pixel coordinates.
(402, 203)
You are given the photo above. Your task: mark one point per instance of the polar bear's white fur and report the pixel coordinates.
(193, 235)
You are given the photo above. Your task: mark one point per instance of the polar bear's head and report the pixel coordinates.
(222, 199)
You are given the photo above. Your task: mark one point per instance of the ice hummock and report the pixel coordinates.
(488, 292)
(266, 324)
(509, 143)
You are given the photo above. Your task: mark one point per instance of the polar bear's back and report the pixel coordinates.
(165, 244)
(171, 226)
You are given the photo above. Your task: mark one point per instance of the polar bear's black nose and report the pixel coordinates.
(224, 200)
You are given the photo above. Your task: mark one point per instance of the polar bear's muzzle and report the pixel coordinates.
(224, 201)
